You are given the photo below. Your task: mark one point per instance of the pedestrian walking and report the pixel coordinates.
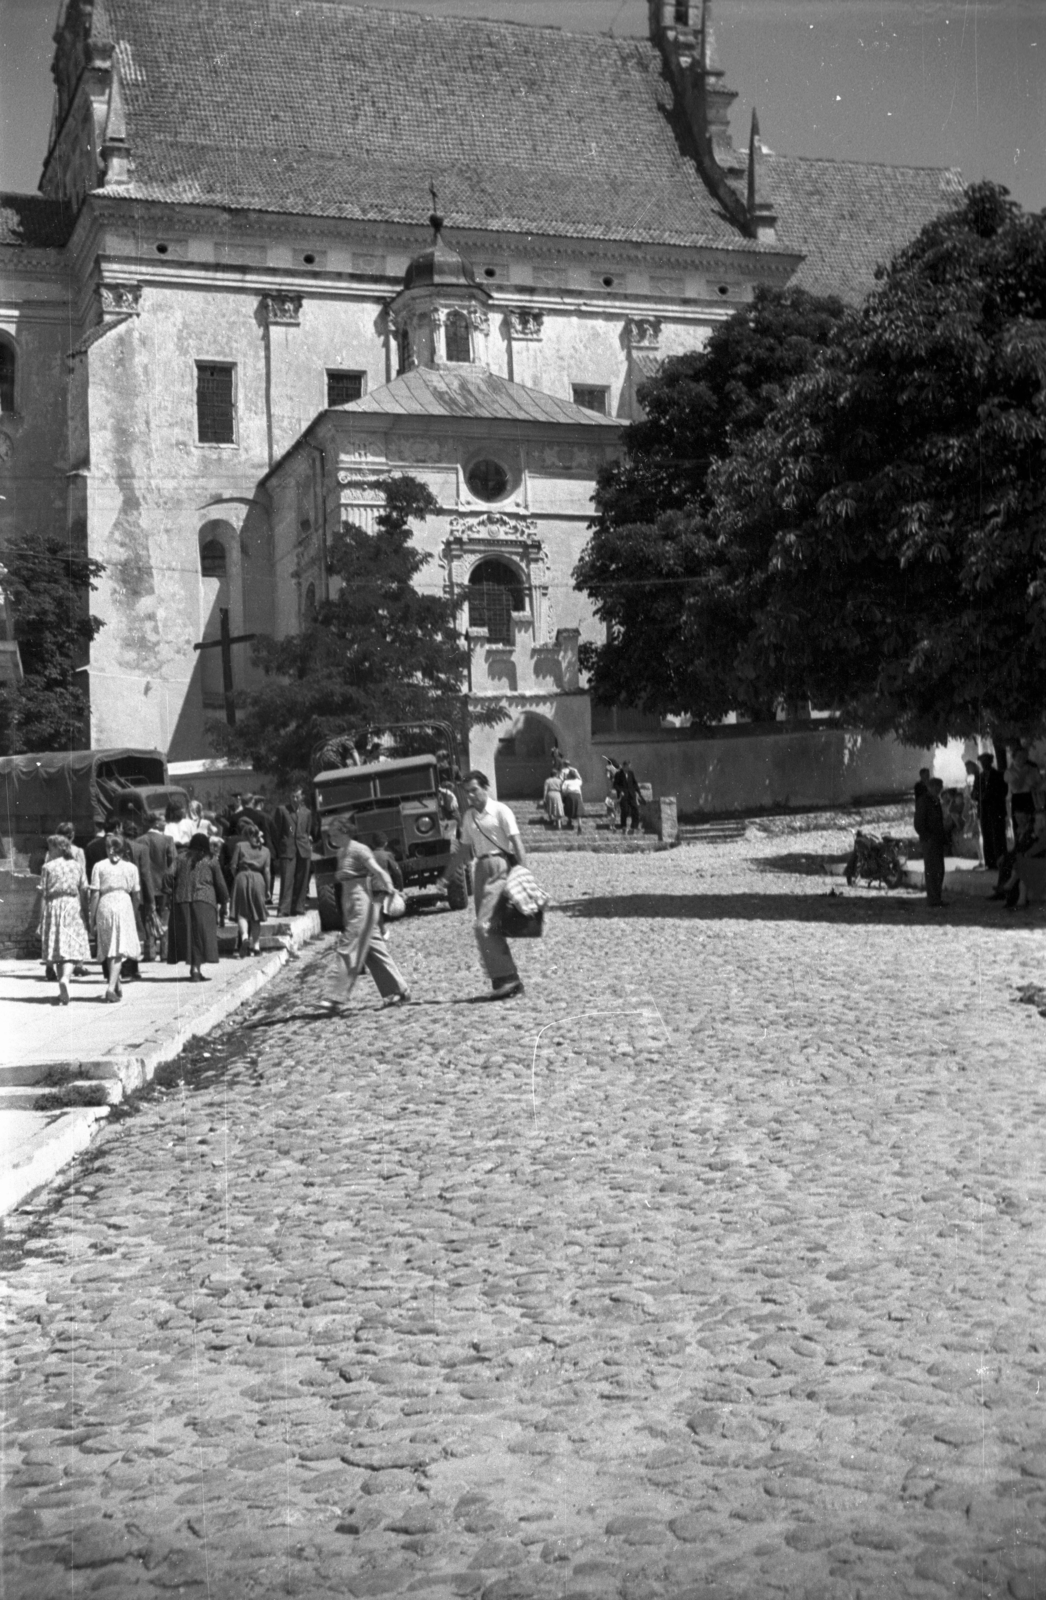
(63, 913)
(929, 825)
(115, 893)
(631, 795)
(552, 799)
(570, 782)
(162, 857)
(251, 869)
(135, 849)
(992, 798)
(294, 848)
(198, 892)
(490, 836)
(363, 945)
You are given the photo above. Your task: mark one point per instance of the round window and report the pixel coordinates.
(487, 479)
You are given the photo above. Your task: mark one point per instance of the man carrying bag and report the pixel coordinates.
(490, 835)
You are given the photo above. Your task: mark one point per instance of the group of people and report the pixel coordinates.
(1011, 821)
(563, 795)
(163, 893)
(490, 838)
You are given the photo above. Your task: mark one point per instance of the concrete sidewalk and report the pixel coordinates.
(62, 1067)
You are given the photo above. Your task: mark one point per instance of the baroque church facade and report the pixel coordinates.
(224, 317)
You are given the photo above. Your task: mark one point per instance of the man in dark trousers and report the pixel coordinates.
(992, 806)
(929, 825)
(163, 855)
(135, 849)
(294, 849)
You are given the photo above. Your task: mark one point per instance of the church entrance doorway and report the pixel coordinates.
(524, 759)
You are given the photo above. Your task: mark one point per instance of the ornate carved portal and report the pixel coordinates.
(509, 539)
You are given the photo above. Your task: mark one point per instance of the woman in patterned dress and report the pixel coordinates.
(63, 929)
(115, 888)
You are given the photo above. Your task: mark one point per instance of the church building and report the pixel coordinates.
(225, 316)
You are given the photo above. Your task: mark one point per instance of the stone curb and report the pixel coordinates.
(104, 1081)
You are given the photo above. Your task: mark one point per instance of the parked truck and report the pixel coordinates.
(84, 787)
(410, 796)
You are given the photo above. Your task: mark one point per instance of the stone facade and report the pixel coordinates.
(191, 306)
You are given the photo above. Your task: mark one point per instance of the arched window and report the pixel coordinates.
(404, 350)
(7, 376)
(309, 605)
(459, 344)
(495, 591)
(212, 559)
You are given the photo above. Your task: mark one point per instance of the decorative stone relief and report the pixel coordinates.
(282, 309)
(473, 539)
(564, 458)
(420, 447)
(478, 316)
(361, 499)
(526, 324)
(643, 333)
(120, 299)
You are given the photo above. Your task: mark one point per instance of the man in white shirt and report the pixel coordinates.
(490, 836)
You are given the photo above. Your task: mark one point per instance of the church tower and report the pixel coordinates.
(441, 314)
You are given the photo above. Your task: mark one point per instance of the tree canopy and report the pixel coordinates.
(877, 543)
(377, 651)
(650, 541)
(882, 539)
(47, 583)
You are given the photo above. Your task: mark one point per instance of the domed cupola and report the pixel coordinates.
(441, 315)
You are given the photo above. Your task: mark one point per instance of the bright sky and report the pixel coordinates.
(925, 82)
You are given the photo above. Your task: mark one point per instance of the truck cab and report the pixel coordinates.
(409, 801)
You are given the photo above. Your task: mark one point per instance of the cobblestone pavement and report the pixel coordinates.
(712, 1268)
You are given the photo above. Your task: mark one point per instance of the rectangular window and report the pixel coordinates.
(591, 398)
(343, 387)
(215, 402)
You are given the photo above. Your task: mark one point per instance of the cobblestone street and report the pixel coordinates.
(713, 1267)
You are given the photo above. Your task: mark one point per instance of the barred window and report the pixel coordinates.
(215, 403)
(343, 387)
(495, 592)
(459, 346)
(591, 398)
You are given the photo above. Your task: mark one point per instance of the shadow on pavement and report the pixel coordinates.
(808, 865)
(837, 907)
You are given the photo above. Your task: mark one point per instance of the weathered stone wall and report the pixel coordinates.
(36, 320)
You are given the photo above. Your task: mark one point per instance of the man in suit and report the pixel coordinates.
(135, 849)
(929, 825)
(294, 850)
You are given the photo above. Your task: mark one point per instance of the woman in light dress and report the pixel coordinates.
(115, 891)
(363, 942)
(63, 912)
(554, 799)
(178, 827)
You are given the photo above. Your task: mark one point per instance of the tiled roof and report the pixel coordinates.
(471, 391)
(32, 221)
(320, 109)
(848, 216)
(314, 108)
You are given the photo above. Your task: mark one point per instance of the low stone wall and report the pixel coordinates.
(735, 771)
(19, 915)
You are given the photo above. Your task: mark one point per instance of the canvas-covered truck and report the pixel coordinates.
(83, 787)
(410, 800)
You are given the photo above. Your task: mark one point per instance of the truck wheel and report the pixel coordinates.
(458, 889)
(329, 909)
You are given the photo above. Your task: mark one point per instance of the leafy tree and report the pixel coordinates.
(652, 541)
(47, 583)
(377, 651)
(880, 543)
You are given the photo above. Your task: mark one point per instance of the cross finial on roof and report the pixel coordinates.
(435, 219)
